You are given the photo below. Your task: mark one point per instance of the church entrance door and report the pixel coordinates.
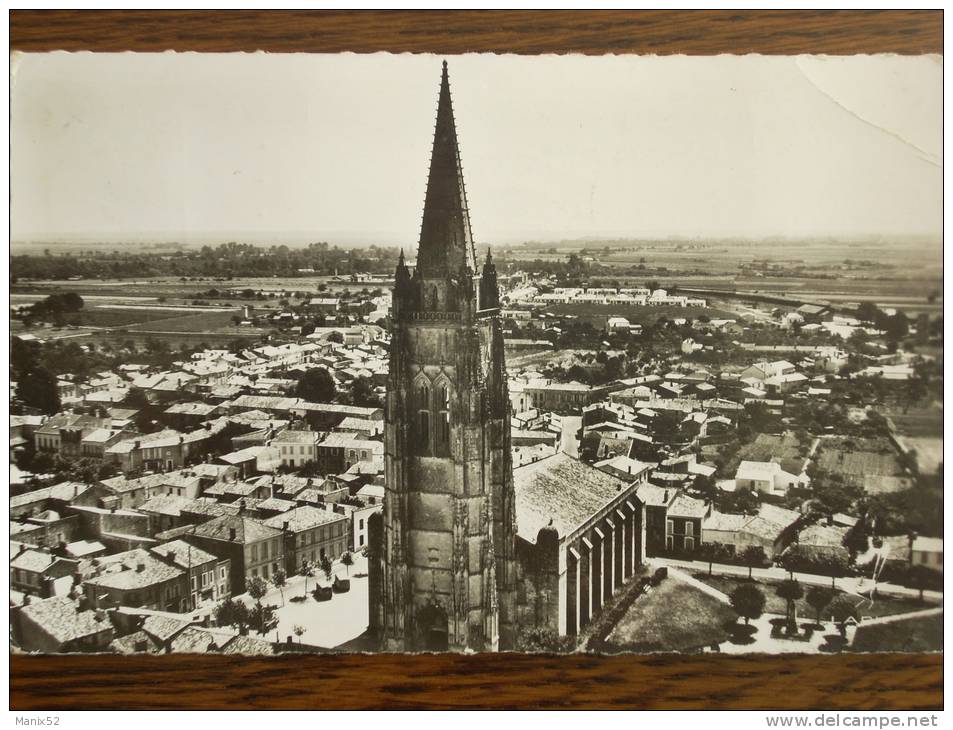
(433, 629)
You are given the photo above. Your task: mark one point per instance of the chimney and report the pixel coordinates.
(241, 506)
(231, 534)
(284, 526)
(22, 548)
(665, 496)
(100, 615)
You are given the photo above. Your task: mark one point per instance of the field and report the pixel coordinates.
(97, 317)
(203, 322)
(916, 422)
(785, 448)
(868, 463)
(897, 273)
(673, 617)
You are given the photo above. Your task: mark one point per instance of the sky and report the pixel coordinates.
(336, 147)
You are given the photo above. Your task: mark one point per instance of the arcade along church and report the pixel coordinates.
(468, 552)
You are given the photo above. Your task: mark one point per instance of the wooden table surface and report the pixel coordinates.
(504, 681)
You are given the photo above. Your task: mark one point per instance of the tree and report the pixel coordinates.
(830, 498)
(857, 540)
(362, 393)
(327, 567)
(37, 388)
(753, 556)
(791, 591)
(316, 386)
(748, 601)
(818, 598)
(307, 570)
(842, 608)
(347, 560)
(298, 630)
(232, 612)
(278, 580)
(712, 552)
(740, 501)
(257, 588)
(263, 618)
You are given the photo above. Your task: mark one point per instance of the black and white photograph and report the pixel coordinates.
(408, 353)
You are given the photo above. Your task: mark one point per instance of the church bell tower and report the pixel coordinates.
(442, 560)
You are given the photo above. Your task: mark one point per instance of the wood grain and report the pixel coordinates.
(504, 681)
(512, 31)
(486, 681)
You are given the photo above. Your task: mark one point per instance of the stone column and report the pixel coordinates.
(572, 592)
(618, 566)
(608, 564)
(585, 583)
(598, 567)
(636, 548)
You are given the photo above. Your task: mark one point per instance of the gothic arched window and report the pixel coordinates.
(422, 405)
(442, 409)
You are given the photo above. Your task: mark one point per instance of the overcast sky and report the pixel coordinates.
(325, 147)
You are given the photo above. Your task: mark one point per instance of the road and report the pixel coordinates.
(850, 584)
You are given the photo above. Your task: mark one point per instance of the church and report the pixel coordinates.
(468, 552)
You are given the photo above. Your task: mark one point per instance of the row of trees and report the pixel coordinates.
(226, 260)
(748, 601)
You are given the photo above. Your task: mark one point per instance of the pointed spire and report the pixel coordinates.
(446, 241)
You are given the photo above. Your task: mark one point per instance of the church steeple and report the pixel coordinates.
(446, 241)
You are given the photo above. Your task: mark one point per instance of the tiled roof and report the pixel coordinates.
(247, 529)
(653, 496)
(248, 645)
(685, 506)
(121, 571)
(59, 617)
(183, 554)
(64, 491)
(163, 628)
(34, 561)
(561, 491)
(302, 518)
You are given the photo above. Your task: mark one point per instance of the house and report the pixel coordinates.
(824, 540)
(772, 529)
(339, 450)
(63, 433)
(629, 470)
(40, 573)
(138, 579)
(58, 625)
(927, 551)
(767, 477)
(814, 313)
(253, 460)
(207, 575)
(310, 534)
(683, 523)
(296, 448)
(253, 548)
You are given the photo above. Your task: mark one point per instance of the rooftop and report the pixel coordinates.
(60, 618)
(562, 492)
